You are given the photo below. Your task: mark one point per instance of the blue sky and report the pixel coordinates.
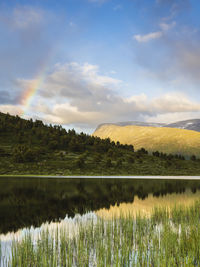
(100, 61)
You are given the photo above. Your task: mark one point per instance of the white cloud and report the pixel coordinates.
(117, 7)
(147, 37)
(11, 109)
(167, 26)
(78, 94)
(25, 17)
(113, 72)
(172, 117)
(171, 102)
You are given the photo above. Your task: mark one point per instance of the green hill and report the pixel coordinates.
(166, 140)
(31, 147)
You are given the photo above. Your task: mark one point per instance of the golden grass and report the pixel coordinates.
(167, 140)
(145, 207)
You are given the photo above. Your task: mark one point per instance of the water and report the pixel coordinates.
(26, 202)
(39, 203)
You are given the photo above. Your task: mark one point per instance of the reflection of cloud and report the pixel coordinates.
(147, 37)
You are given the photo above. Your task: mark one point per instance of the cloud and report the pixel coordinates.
(171, 102)
(174, 102)
(117, 7)
(11, 109)
(147, 37)
(173, 7)
(172, 117)
(7, 98)
(187, 59)
(176, 62)
(176, 57)
(23, 18)
(77, 94)
(26, 17)
(167, 26)
(76, 81)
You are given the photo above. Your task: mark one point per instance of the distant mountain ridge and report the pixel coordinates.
(187, 125)
(193, 124)
(136, 123)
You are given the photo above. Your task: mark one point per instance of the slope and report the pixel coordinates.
(167, 140)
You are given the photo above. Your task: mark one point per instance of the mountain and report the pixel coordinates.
(136, 123)
(163, 139)
(186, 124)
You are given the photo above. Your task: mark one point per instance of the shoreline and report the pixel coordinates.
(153, 177)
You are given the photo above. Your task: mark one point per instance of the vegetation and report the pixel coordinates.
(30, 147)
(167, 238)
(164, 139)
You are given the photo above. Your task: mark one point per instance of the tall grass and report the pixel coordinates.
(167, 238)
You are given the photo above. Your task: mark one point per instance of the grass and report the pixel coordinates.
(169, 237)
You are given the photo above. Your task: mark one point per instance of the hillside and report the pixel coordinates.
(166, 140)
(33, 148)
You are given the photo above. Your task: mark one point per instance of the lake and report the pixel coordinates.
(29, 201)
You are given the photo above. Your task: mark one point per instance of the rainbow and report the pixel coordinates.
(30, 92)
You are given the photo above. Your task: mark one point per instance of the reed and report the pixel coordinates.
(166, 238)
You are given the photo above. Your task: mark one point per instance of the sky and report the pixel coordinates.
(80, 63)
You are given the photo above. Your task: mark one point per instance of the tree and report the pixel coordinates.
(119, 163)
(193, 157)
(80, 162)
(22, 154)
(142, 151)
(108, 163)
(131, 159)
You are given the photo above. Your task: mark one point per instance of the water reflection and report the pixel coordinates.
(70, 226)
(145, 207)
(32, 201)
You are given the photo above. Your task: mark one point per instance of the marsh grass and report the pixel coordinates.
(166, 238)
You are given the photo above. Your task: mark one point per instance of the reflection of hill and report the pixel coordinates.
(167, 140)
(145, 207)
(26, 202)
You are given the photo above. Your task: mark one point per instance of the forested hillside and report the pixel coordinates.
(31, 147)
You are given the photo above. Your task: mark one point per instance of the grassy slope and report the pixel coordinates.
(167, 140)
(53, 164)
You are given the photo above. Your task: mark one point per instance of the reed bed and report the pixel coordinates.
(166, 238)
